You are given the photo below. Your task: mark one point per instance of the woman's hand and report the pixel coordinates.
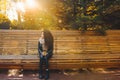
(44, 53)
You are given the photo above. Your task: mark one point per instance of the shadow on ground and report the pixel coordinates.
(82, 74)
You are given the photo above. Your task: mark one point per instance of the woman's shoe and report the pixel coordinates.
(46, 77)
(41, 77)
(47, 74)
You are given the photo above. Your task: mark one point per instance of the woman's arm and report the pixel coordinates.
(40, 49)
(49, 53)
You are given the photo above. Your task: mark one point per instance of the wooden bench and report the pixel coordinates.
(72, 49)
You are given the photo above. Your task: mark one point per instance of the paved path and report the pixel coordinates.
(109, 74)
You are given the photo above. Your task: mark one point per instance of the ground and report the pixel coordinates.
(84, 74)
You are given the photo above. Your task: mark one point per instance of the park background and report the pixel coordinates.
(98, 15)
(82, 15)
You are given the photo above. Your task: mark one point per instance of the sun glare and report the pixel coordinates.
(12, 14)
(31, 3)
(20, 6)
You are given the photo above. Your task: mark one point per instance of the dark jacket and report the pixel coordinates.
(40, 50)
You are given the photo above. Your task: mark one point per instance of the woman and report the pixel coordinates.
(45, 49)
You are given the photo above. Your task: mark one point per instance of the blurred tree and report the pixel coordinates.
(94, 14)
(4, 22)
(72, 14)
(14, 24)
(38, 20)
(112, 13)
(39, 17)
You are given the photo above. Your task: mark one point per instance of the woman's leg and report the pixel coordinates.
(41, 68)
(46, 68)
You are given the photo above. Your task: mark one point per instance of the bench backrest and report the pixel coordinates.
(25, 42)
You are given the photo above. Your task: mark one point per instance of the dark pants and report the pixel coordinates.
(43, 62)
